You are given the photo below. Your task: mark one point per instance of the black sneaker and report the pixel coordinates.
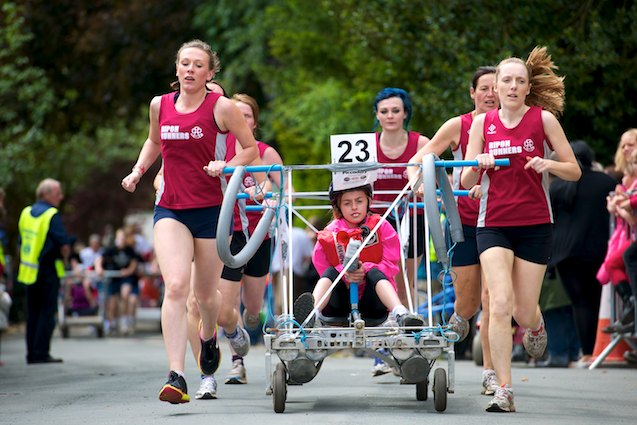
(210, 356)
(175, 391)
(303, 306)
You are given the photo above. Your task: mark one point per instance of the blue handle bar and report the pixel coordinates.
(469, 163)
(255, 168)
(246, 196)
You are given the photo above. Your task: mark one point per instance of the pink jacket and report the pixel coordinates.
(391, 252)
(613, 269)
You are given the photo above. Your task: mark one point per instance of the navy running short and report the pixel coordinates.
(466, 253)
(257, 266)
(202, 222)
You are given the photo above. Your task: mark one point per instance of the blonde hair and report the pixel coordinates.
(252, 103)
(621, 162)
(213, 60)
(547, 88)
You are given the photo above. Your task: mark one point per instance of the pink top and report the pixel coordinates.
(386, 236)
(251, 218)
(394, 178)
(188, 143)
(468, 208)
(513, 196)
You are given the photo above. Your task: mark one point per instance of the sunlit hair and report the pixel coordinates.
(547, 88)
(252, 103)
(389, 92)
(483, 70)
(213, 63)
(621, 161)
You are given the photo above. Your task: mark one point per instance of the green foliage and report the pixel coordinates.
(76, 76)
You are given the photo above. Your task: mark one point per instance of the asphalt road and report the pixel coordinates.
(116, 381)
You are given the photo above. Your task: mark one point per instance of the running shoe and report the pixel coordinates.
(240, 342)
(210, 355)
(207, 388)
(175, 391)
(303, 306)
(535, 341)
(380, 367)
(251, 321)
(489, 382)
(502, 401)
(237, 374)
(410, 320)
(460, 326)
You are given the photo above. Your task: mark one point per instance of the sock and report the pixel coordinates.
(179, 372)
(237, 357)
(399, 310)
(232, 335)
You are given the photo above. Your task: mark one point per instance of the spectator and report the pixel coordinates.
(123, 288)
(90, 253)
(44, 245)
(579, 241)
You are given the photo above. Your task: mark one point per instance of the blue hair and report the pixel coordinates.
(388, 92)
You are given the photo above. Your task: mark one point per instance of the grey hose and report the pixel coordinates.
(431, 208)
(226, 220)
(453, 216)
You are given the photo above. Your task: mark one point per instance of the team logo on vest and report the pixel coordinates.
(388, 174)
(528, 145)
(196, 132)
(491, 129)
(503, 147)
(171, 132)
(248, 181)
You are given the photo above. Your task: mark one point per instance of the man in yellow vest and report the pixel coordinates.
(43, 246)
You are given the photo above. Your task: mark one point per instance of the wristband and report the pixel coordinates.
(140, 168)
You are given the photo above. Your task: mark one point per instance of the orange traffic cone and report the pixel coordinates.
(603, 339)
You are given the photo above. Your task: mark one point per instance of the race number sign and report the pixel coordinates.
(353, 149)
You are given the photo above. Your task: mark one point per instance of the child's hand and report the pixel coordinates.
(357, 276)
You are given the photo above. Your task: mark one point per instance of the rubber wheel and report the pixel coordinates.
(440, 390)
(279, 389)
(100, 332)
(422, 390)
(476, 350)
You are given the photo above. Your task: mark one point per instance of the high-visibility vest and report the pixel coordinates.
(1, 259)
(33, 231)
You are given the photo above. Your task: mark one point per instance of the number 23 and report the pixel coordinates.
(362, 147)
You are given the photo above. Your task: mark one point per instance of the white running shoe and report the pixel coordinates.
(535, 342)
(237, 374)
(502, 401)
(241, 342)
(489, 382)
(207, 388)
